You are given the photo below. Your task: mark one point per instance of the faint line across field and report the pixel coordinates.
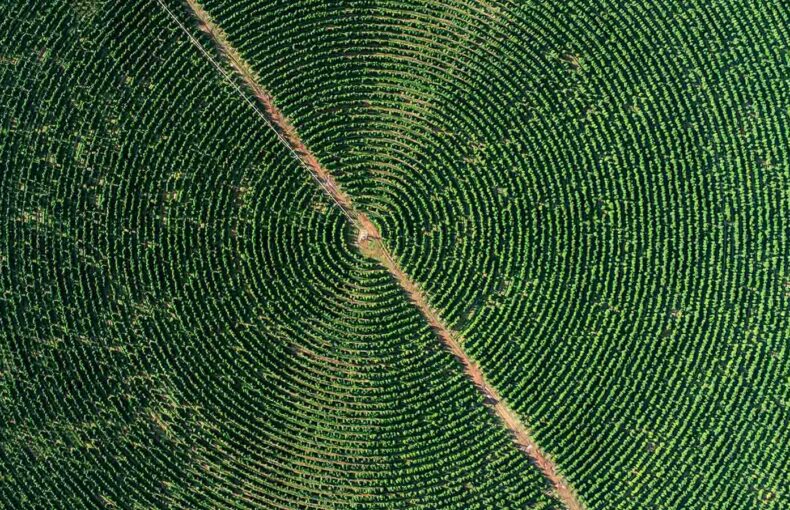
(369, 239)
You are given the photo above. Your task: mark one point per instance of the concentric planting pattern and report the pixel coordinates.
(592, 196)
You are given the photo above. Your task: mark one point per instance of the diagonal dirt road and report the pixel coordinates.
(371, 243)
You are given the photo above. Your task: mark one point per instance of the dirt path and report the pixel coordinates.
(374, 248)
(372, 245)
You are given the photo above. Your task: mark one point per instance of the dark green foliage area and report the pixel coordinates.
(184, 321)
(596, 194)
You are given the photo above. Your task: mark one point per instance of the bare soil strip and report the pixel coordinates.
(371, 244)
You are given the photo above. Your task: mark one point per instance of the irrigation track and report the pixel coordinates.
(369, 239)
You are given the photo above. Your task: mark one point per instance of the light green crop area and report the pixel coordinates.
(594, 194)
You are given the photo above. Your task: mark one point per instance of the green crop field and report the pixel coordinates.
(395, 254)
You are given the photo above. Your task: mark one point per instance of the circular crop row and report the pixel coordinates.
(185, 321)
(595, 194)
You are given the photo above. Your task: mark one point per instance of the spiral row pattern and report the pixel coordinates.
(185, 321)
(595, 194)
